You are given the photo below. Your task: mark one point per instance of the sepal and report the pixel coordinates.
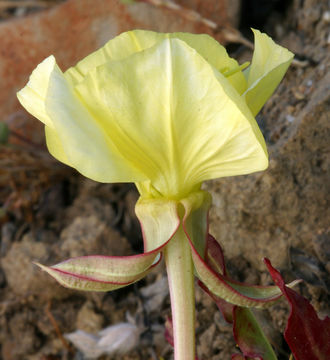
(195, 220)
(230, 290)
(159, 221)
(102, 273)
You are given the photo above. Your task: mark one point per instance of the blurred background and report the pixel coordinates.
(48, 212)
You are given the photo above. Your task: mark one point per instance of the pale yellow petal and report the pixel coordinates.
(269, 64)
(216, 55)
(174, 117)
(84, 142)
(117, 48)
(130, 42)
(33, 95)
(55, 145)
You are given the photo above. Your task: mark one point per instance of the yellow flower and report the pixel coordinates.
(166, 111)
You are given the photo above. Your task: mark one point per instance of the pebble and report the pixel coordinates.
(290, 118)
(326, 16)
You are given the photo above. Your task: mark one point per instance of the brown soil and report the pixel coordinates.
(50, 213)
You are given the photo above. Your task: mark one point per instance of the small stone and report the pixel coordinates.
(155, 294)
(326, 16)
(88, 235)
(21, 327)
(309, 83)
(205, 348)
(289, 118)
(23, 276)
(88, 320)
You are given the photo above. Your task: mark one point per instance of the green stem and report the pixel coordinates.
(180, 273)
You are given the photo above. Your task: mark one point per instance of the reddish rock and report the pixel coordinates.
(71, 31)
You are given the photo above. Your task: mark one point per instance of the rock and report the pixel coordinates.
(82, 237)
(23, 277)
(87, 235)
(83, 30)
(205, 350)
(88, 320)
(22, 328)
(155, 294)
(89, 202)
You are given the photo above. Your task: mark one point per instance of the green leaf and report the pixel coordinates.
(249, 336)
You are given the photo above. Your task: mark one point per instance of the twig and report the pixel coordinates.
(300, 63)
(26, 4)
(56, 327)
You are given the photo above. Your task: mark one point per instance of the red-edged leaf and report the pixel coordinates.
(249, 336)
(208, 259)
(159, 222)
(102, 273)
(307, 336)
(230, 290)
(215, 259)
(247, 332)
